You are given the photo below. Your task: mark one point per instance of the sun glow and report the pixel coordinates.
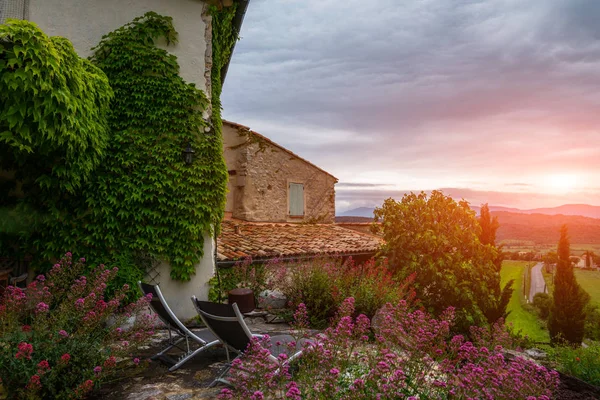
(561, 183)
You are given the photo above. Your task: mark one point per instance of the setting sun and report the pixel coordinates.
(561, 182)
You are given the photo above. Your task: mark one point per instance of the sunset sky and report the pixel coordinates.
(494, 101)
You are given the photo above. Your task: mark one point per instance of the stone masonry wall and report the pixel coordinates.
(263, 171)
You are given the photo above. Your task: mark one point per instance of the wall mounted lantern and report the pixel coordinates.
(188, 154)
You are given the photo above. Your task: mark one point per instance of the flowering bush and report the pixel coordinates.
(56, 342)
(581, 362)
(322, 285)
(412, 356)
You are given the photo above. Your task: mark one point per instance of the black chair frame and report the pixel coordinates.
(178, 332)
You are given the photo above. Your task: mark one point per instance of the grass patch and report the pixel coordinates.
(521, 319)
(590, 281)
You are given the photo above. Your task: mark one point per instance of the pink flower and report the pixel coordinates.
(97, 370)
(258, 395)
(110, 362)
(42, 307)
(65, 358)
(63, 333)
(43, 366)
(26, 328)
(34, 383)
(136, 361)
(41, 278)
(25, 350)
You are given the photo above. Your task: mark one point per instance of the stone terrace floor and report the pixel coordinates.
(190, 382)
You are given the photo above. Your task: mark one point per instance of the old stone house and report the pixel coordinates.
(269, 183)
(84, 22)
(280, 205)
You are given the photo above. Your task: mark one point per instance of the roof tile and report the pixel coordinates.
(269, 240)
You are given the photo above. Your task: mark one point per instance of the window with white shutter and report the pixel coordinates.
(13, 9)
(296, 200)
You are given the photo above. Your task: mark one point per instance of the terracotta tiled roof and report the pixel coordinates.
(240, 239)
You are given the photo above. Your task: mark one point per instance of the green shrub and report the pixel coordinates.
(56, 339)
(581, 362)
(543, 303)
(592, 322)
(323, 284)
(244, 274)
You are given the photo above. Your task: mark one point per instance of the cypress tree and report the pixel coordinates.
(567, 318)
(487, 236)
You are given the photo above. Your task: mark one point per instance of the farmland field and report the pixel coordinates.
(577, 249)
(522, 320)
(590, 281)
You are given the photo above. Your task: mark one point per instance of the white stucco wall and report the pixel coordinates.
(84, 22)
(178, 294)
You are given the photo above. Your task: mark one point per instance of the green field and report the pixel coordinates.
(590, 281)
(577, 249)
(522, 320)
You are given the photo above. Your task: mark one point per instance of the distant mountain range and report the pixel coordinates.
(584, 210)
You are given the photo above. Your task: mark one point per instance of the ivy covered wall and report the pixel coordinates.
(142, 202)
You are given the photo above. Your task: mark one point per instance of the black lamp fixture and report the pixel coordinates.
(188, 154)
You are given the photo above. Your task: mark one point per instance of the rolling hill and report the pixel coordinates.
(584, 210)
(540, 226)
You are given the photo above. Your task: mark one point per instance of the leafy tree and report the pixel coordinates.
(438, 239)
(543, 302)
(568, 314)
(489, 226)
(550, 258)
(589, 256)
(53, 129)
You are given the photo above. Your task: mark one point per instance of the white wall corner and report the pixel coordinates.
(178, 294)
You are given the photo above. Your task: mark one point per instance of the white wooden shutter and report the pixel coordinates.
(296, 199)
(13, 9)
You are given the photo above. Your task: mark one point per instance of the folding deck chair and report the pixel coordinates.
(227, 323)
(204, 339)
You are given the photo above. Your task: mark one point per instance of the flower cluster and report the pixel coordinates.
(406, 354)
(56, 332)
(322, 285)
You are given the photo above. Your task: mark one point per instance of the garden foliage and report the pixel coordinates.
(130, 193)
(583, 363)
(568, 312)
(437, 239)
(412, 356)
(53, 129)
(56, 339)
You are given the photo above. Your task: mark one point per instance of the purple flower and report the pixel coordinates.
(97, 370)
(258, 395)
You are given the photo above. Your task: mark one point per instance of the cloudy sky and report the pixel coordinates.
(492, 100)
